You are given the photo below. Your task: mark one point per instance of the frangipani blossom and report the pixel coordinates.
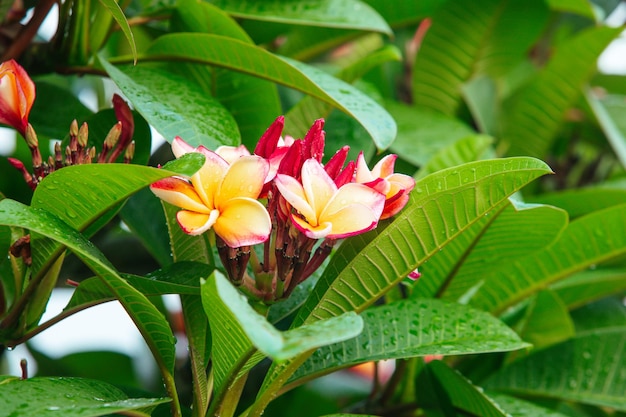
(219, 196)
(17, 94)
(325, 210)
(395, 187)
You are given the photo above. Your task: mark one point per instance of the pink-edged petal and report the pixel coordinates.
(354, 193)
(180, 193)
(194, 223)
(313, 232)
(319, 188)
(379, 184)
(209, 178)
(243, 222)
(351, 220)
(293, 192)
(395, 204)
(244, 178)
(180, 147)
(384, 167)
(402, 181)
(232, 153)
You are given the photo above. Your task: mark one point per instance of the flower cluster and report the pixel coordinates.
(307, 205)
(17, 95)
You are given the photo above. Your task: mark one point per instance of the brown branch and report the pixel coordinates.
(29, 31)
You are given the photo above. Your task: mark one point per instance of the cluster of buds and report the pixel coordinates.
(17, 95)
(283, 197)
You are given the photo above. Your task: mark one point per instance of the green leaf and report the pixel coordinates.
(586, 369)
(580, 201)
(253, 102)
(347, 14)
(481, 95)
(591, 285)
(414, 327)
(150, 322)
(399, 13)
(529, 126)
(298, 119)
(520, 229)
(587, 241)
(174, 106)
(461, 393)
(423, 129)
(236, 327)
(465, 150)
(441, 207)
(71, 397)
(609, 111)
(240, 56)
(120, 18)
(469, 38)
(580, 7)
(520, 408)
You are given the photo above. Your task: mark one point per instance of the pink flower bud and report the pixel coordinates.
(17, 94)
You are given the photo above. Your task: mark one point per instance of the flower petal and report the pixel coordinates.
(313, 232)
(353, 193)
(384, 167)
(351, 220)
(319, 188)
(180, 193)
(244, 178)
(232, 153)
(208, 179)
(180, 147)
(194, 223)
(363, 173)
(293, 192)
(243, 222)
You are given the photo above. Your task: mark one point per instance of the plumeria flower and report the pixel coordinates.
(17, 94)
(324, 210)
(395, 187)
(220, 196)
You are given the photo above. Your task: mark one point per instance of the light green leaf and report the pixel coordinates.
(121, 20)
(465, 150)
(240, 56)
(70, 397)
(580, 201)
(414, 327)
(470, 38)
(529, 126)
(481, 96)
(520, 408)
(442, 206)
(422, 133)
(586, 369)
(175, 107)
(461, 393)
(609, 112)
(346, 14)
(399, 13)
(520, 229)
(581, 7)
(591, 285)
(298, 119)
(587, 241)
(149, 321)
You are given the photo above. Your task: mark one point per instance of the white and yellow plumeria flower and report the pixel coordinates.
(219, 196)
(394, 186)
(325, 211)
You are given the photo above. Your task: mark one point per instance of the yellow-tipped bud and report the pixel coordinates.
(31, 137)
(113, 136)
(83, 135)
(74, 128)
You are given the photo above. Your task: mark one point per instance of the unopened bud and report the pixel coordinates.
(83, 135)
(31, 137)
(130, 152)
(113, 136)
(74, 128)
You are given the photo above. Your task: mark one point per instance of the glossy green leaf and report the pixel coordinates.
(423, 133)
(609, 113)
(415, 327)
(587, 369)
(481, 96)
(608, 313)
(71, 397)
(469, 38)
(580, 7)
(399, 13)
(518, 230)
(119, 16)
(96, 188)
(591, 285)
(580, 201)
(516, 407)
(149, 321)
(465, 150)
(461, 393)
(587, 241)
(442, 206)
(236, 327)
(240, 56)
(529, 126)
(347, 14)
(175, 107)
(253, 102)
(299, 118)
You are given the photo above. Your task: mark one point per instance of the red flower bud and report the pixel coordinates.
(17, 94)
